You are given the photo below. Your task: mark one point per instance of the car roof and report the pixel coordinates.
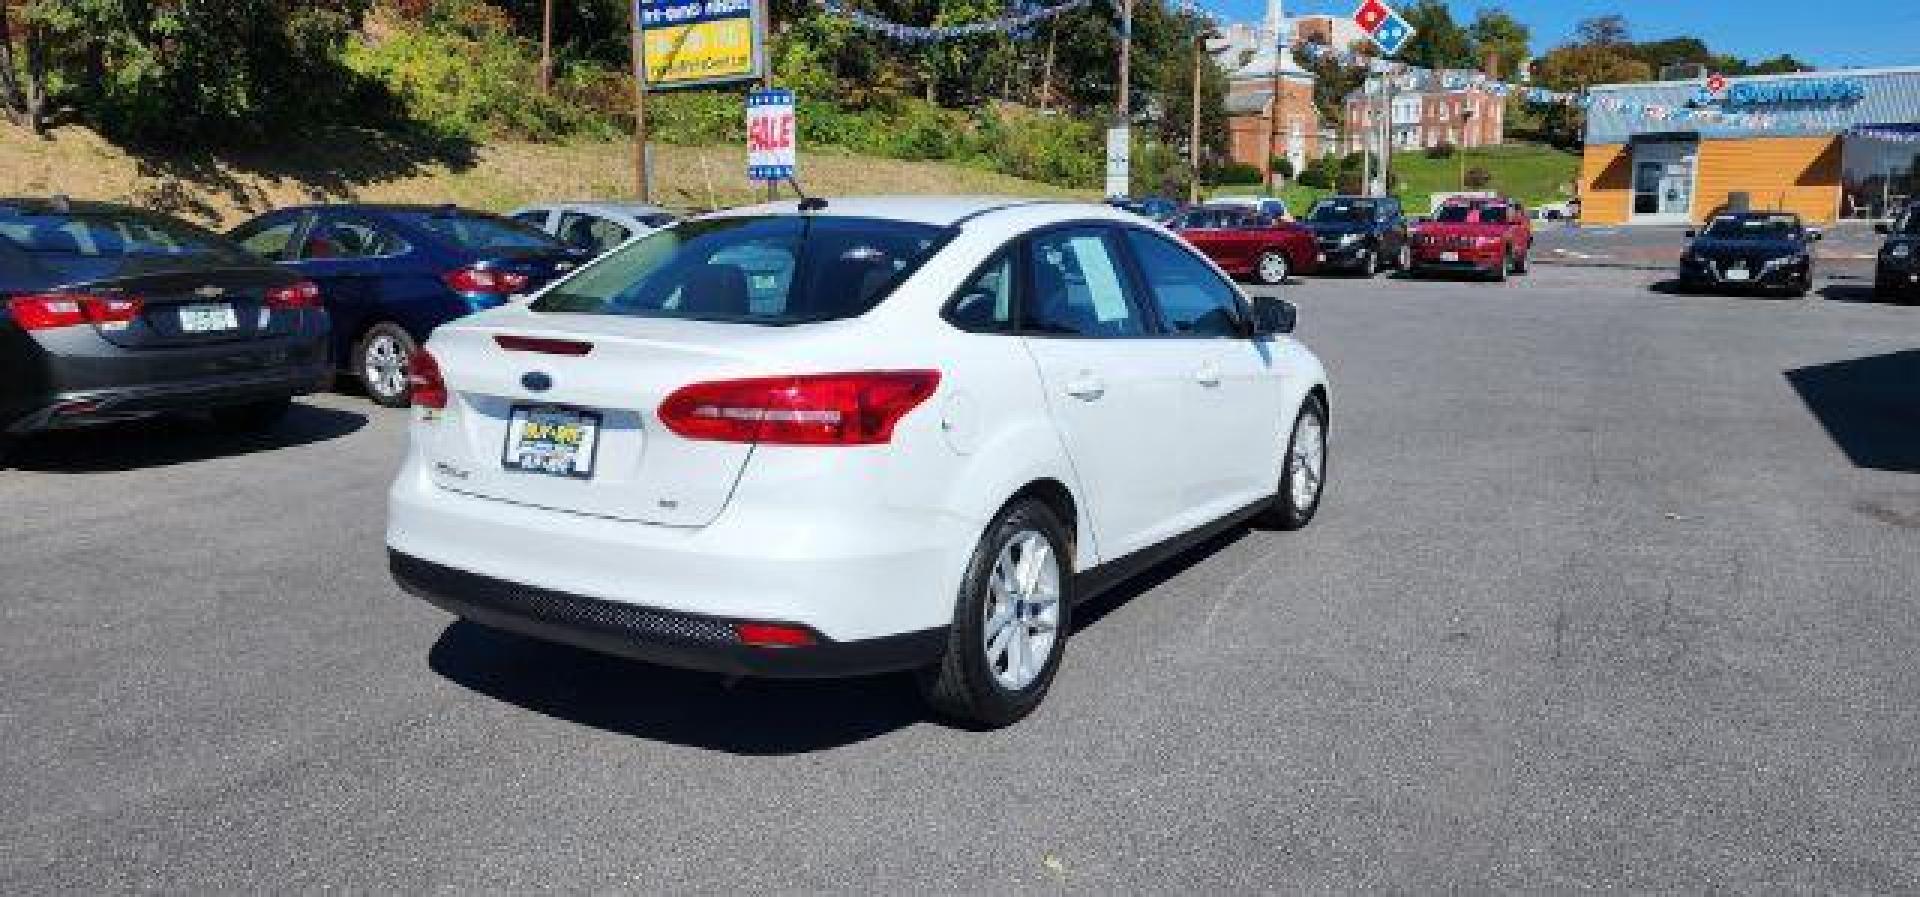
(945, 211)
(41, 205)
(383, 207)
(611, 208)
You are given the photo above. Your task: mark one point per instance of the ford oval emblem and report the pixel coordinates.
(536, 381)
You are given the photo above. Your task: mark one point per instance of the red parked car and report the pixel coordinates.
(1488, 237)
(1246, 243)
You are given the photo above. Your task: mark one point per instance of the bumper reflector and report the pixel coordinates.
(773, 635)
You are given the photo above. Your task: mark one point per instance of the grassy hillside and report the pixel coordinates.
(346, 164)
(1534, 174)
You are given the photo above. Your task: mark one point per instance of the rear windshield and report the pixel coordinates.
(480, 233)
(1771, 227)
(98, 239)
(1330, 211)
(773, 270)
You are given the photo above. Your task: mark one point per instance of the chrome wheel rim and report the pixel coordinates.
(385, 366)
(1022, 617)
(1405, 260)
(1273, 268)
(1307, 468)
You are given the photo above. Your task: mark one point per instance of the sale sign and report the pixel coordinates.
(771, 151)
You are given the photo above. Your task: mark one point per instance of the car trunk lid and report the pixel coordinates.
(195, 307)
(608, 375)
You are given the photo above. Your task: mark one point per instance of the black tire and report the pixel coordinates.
(1264, 276)
(1520, 264)
(253, 417)
(964, 687)
(1374, 264)
(1501, 272)
(1288, 511)
(382, 339)
(1883, 290)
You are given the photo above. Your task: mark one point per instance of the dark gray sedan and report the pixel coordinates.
(109, 313)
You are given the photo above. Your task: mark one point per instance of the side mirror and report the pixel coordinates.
(1817, 235)
(1691, 233)
(1883, 228)
(1274, 317)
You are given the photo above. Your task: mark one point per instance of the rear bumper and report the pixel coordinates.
(667, 638)
(1898, 278)
(84, 407)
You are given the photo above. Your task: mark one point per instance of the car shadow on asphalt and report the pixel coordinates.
(165, 441)
(756, 717)
(752, 717)
(1868, 406)
(1855, 293)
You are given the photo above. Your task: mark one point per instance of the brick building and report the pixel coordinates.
(1429, 115)
(1265, 124)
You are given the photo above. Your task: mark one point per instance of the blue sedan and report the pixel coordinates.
(390, 274)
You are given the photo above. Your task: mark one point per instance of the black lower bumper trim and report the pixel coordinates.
(79, 408)
(667, 638)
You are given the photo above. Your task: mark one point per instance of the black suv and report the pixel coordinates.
(1898, 273)
(109, 313)
(1362, 234)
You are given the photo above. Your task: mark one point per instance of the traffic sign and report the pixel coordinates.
(771, 154)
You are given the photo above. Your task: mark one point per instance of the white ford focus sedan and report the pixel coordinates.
(834, 438)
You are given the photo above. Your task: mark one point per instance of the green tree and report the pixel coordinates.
(1497, 33)
(1603, 31)
(1438, 41)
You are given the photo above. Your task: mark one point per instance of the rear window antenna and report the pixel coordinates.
(807, 203)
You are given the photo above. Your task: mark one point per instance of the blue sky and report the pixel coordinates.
(1830, 34)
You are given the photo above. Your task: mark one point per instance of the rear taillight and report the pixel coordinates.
(47, 311)
(305, 294)
(809, 409)
(423, 380)
(484, 280)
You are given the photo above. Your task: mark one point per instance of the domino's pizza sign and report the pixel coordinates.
(771, 127)
(1386, 26)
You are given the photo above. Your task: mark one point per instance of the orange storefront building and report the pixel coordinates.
(1826, 145)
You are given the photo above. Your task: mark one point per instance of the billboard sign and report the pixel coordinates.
(696, 42)
(771, 151)
(1384, 24)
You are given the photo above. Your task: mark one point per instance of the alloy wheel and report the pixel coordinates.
(384, 366)
(1308, 466)
(1022, 616)
(1272, 268)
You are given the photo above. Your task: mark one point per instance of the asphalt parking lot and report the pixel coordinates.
(1614, 588)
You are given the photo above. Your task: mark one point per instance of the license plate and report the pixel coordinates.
(1449, 256)
(556, 441)
(208, 318)
(1739, 274)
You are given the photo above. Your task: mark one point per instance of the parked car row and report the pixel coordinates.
(1488, 237)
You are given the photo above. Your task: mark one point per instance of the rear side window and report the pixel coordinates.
(480, 233)
(591, 232)
(1193, 300)
(352, 238)
(985, 305)
(772, 270)
(1078, 287)
(273, 242)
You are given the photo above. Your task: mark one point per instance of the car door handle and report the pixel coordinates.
(1087, 388)
(1207, 376)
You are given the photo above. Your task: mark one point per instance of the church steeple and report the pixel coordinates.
(1275, 51)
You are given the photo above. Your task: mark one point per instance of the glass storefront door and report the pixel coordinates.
(1881, 176)
(1663, 181)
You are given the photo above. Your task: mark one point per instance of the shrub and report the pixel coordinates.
(1237, 173)
(1479, 178)
(1282, 166)
(1441, 151)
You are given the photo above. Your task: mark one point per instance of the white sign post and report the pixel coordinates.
(771, 127)
(1119, 161)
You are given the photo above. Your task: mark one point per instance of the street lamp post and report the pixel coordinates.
(1466, 124)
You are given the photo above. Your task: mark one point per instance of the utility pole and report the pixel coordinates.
(1369, 107)
(546, 48)
(763, 13)
(1193, 141)
(1122, 106)
(1386, 134)
(643, 182)
(1273, 115)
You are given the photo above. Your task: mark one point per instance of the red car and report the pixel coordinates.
(1245, 243)
(1489, 237)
